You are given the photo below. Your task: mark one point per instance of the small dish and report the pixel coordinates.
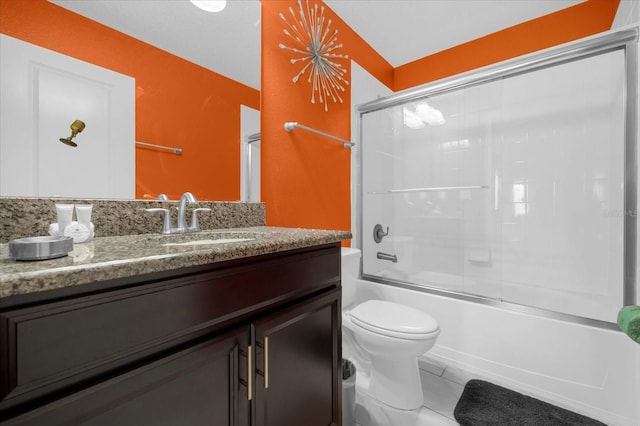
(40, 248)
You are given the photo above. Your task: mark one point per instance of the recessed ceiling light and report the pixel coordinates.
(210, 5)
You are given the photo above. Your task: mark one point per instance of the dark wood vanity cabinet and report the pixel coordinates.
(297, 358)
(247, 342)
(192, 387)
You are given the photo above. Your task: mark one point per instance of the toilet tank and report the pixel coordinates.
(349, 272)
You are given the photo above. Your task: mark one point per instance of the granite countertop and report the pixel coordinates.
(108, 258)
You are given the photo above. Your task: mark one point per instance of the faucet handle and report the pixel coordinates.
(195, 227)
(166, 223)
(379, 233)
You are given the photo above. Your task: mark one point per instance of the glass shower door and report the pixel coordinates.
(429, 180)
(511, 189)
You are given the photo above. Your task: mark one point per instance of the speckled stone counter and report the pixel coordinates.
(107, 258)
(30, 217)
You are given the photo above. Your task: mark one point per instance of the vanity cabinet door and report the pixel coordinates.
(298, 364)
(200, 385)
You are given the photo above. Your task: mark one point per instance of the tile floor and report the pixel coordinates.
(442, 388)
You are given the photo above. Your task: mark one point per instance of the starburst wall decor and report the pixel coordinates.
(315, 45)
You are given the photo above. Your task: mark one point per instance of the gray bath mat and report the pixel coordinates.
(483, 403)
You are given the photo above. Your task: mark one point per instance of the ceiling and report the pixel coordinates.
(405, 30)
(229, 42)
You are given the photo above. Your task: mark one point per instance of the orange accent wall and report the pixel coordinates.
(306, 177)
(572, 23)
(178, 103)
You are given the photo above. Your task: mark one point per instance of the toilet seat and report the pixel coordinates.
(394, 320)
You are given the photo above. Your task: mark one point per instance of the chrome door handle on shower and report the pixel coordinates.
(386, 256)
(378, 233)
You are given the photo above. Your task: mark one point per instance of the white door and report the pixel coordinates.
(43, 92)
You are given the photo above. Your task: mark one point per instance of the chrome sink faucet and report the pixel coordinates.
(187, 198)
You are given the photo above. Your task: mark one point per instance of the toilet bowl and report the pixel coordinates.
(392, 335)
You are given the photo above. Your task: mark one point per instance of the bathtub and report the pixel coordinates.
(590, 370)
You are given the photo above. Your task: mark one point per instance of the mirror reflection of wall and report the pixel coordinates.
(250, 155)
(177, 103)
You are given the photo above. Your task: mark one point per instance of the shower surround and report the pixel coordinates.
(510, 196)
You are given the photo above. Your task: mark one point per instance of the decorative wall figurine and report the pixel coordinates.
(315, 46)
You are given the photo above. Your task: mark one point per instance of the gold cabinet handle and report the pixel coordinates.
(266, 363)
(249, 372)
(249, 382)
(265, 350)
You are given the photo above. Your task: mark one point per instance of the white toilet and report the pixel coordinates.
(392, 335)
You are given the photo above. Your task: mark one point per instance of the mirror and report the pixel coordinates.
(194, 71)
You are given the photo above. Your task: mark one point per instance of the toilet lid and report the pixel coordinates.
(393, 319)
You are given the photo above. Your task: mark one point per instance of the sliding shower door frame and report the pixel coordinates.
(625, 39)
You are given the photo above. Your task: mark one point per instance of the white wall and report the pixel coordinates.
(628, 13)
(364, 88)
